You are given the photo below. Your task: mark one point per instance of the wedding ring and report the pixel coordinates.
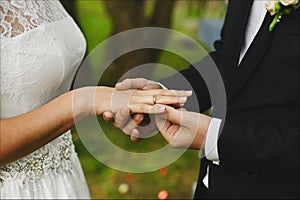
(154, 99)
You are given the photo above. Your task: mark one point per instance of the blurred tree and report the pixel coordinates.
(129, 14)
(195, 7)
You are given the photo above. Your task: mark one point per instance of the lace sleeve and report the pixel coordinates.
(20, 16)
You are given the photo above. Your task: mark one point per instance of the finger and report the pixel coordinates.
(172, 130)
(173, 115)
(136, 83)
(163, 125)
(161, 122)
(152, 85)
(167, 129)
(171, 100)
(163, 92)
(151, 100)
(121, 117)
(108, 116)
(181, 109)
(133, 123)
(181, 117)
(134, 135)
(147, 109)
(139, 134)
(176, 105)
(170, 135)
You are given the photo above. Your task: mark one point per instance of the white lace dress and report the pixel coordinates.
(41, 49)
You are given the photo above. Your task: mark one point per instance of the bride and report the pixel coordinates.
(41, 49)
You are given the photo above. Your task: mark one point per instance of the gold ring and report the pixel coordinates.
(154, 99)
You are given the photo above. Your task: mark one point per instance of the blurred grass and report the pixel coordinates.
(104, 181)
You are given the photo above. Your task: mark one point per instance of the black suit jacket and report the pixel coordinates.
(259, 144)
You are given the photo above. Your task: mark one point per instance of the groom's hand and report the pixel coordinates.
(183, 129)
(122, 118)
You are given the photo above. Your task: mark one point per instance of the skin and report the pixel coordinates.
(23, 134)
(183, 129)
(180, 128)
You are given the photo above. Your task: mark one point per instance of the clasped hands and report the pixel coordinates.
(180, 128)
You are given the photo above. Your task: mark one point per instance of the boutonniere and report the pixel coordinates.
(278, 8)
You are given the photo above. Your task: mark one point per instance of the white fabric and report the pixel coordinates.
(205, 179)
(256, 18)
(41, 49)
(211, 148)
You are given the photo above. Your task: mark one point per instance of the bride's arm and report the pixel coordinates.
(25, 133)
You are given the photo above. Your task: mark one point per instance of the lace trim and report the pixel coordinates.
(49, 159)
(20, 16)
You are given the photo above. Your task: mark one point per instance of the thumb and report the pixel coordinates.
(173, 115)
(165, 120)
(167, 129)
(152, 85)
(134, 83)
(122, 86)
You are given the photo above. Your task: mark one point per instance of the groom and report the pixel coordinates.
(257, 154)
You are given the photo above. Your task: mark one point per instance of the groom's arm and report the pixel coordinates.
(201, 99)
(193, 79)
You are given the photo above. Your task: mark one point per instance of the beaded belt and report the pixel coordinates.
(50, 158)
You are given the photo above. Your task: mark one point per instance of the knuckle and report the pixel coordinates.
(126, 81)
(142, 80)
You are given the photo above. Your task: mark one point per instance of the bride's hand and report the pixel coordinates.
(138, 101)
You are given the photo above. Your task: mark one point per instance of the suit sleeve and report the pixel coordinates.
(192, 79)
(264, 148)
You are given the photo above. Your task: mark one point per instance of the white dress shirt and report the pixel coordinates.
(256, 17)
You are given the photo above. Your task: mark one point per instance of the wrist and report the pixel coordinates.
(89, 101)
(102, 100)
(82, 102)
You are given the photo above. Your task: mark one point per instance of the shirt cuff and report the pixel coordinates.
(211, 147)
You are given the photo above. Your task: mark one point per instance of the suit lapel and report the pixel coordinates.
(235, 76)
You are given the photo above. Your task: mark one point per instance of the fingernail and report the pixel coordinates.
(189, 92)
(118, 84)
(182, 104)
(182, 99)
(135, 133)
(161, 108)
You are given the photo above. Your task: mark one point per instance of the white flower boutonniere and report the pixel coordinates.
(279, 8)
